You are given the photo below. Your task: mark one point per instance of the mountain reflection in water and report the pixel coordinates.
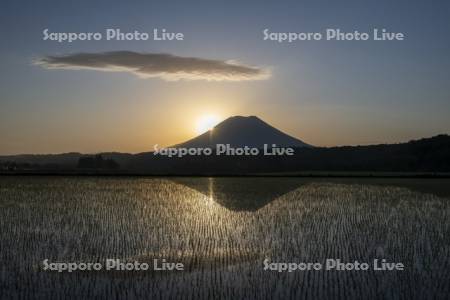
(253, 193)
(241, 193)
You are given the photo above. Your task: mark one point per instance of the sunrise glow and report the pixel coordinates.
(206, 123)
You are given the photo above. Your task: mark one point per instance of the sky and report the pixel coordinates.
(127, 96)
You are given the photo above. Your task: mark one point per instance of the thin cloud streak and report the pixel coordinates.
(156, 65)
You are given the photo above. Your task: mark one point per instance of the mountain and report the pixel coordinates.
(427, 155)
(241, 131)
(65, 159)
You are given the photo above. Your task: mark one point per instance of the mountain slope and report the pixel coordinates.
(241, 131)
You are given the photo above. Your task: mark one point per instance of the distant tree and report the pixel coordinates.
(97, 162)
(111, 164)
(86, 162)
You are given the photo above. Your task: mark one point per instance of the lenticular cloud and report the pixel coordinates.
(150, 65)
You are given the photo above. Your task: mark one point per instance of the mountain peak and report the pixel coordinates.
(242, 118)
(239, 121)
(240, 131)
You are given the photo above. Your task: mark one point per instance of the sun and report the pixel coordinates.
(207, 122)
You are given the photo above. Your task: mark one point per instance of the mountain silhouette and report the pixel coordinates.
(422, 157)
(241, 193)
(239, 131)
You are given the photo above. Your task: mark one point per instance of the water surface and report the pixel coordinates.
(222, 229)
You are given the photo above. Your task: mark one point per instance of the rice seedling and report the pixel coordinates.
(221, 229)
